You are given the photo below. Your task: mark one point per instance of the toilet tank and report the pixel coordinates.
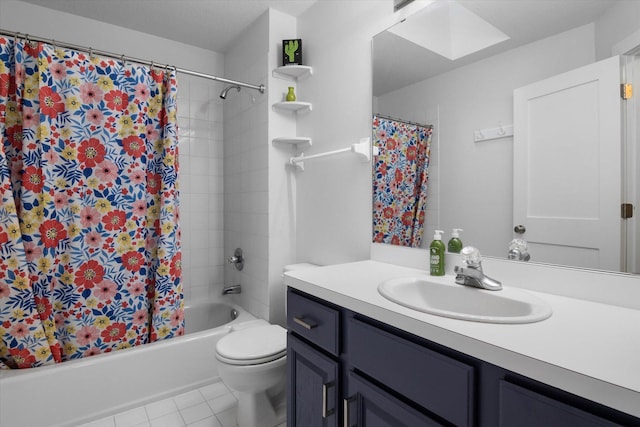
(278, 294)
(298, 266)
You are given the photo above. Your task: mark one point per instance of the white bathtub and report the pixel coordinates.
(78, 391)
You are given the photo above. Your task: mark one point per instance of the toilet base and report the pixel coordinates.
(256, 410)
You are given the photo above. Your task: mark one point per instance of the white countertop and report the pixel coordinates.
(587, 348)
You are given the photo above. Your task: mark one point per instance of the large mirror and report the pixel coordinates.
(507, 155)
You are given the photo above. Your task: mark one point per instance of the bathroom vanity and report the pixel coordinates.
(355, 358)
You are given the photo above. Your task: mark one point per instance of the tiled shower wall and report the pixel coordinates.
(247, 180)
(201, 186)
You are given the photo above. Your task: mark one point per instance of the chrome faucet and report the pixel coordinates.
(231, 289)
(472, 274)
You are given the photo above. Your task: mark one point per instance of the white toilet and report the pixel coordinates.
(252, 362)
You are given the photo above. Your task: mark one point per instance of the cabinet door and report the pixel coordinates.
(369, 406)
(312, 381)
(525, 408)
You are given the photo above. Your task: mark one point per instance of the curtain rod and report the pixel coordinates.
(403, 121)
(91, 51)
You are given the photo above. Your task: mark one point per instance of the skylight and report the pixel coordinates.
(449, 29)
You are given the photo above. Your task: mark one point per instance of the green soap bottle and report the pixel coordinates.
(436, 255)
(455, 244)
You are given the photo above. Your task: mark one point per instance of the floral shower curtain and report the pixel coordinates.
(90, 253)
(400, 181)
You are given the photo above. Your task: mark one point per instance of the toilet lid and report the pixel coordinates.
(251, 346)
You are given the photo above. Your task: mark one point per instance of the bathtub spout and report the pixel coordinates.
(231, 289)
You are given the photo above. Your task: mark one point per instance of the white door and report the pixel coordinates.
(567, 167)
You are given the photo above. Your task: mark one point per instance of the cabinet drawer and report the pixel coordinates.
(525, 408)
(314, 321)
(441, 385)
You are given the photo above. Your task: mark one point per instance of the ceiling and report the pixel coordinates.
(398, 63)
(216, 24)
(209, 24)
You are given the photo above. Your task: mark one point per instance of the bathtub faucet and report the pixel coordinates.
(231, 289)
(237, 259)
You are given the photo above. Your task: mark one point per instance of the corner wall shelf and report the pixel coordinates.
(300, 142)
(293, 106)
(293, 72)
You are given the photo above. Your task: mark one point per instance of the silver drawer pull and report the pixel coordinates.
(305, 323)
(325, 392)
(345, 410)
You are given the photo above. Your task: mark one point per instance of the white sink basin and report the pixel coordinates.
(443, 297)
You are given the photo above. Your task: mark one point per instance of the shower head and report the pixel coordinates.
(224, 92)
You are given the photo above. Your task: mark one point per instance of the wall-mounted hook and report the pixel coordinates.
(493, 133)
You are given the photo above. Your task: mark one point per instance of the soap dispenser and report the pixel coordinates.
(455, 244)
(436, 255)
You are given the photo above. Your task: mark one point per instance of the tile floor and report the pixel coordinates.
(211, 406)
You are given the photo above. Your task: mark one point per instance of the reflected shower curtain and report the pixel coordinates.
(90, 251)
(400, 181)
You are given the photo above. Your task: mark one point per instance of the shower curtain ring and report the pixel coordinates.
(122, 59)
(501, 132)
(90, 53)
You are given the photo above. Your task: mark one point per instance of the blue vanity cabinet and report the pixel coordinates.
(344, 371)
(362, 372)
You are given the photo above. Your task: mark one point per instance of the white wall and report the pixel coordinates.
(199, 122)
(334, 193)
(282, 179)
(619, 22)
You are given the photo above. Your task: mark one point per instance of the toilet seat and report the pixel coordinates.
(253, 346)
